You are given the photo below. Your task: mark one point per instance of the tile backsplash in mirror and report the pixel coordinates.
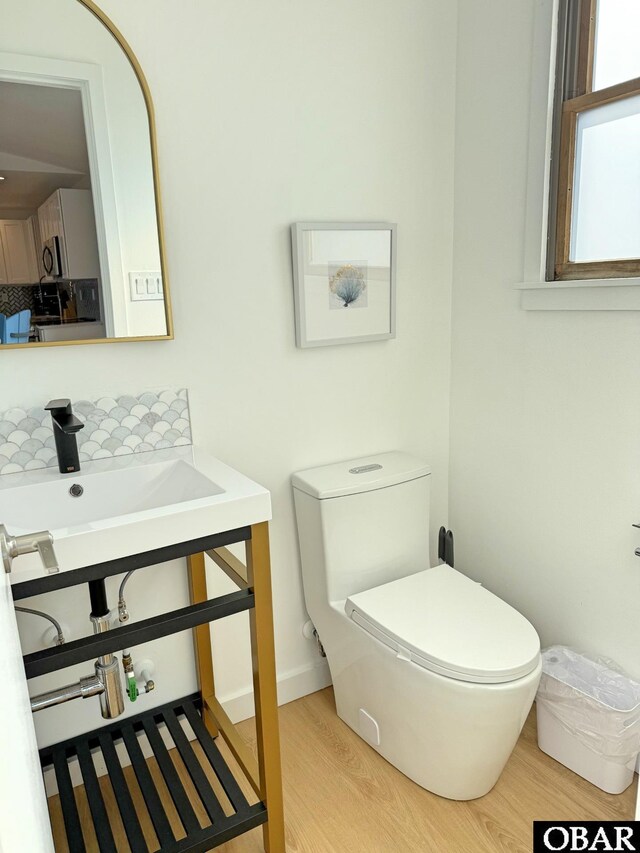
(14, 299)
(113, 426)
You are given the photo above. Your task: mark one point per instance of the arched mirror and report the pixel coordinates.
(81, 245)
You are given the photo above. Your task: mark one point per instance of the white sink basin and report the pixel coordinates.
(128, 505)
(106, 495)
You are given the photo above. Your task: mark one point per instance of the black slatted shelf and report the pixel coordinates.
(194, 838)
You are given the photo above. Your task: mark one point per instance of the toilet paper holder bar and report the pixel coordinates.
(445, 546)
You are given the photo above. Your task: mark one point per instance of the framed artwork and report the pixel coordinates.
(344, 282)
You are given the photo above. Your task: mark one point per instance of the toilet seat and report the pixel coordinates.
(447, 623)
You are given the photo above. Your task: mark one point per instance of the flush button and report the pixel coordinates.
(363, 469)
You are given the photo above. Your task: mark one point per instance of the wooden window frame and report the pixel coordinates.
(575, 95)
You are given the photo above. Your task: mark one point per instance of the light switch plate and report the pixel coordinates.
(145, 285)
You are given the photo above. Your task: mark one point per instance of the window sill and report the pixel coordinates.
(610, 294)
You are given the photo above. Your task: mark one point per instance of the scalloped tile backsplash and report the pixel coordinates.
(113, 426)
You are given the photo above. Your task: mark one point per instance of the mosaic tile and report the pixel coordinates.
(114, 426)
(14, 299)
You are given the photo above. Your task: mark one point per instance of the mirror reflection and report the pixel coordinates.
(80, 252)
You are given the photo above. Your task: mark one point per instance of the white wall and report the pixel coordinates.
(545, 416)
(270, 113)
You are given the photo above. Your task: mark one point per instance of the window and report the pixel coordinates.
(595, 196)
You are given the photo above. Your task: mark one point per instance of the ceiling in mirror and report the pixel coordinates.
(81, 253)
(33, 164)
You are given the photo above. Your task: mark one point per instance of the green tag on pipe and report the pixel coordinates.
(132, 689)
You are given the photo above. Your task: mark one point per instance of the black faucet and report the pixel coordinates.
(65, 426)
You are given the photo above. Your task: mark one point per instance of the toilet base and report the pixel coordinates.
(451, 737)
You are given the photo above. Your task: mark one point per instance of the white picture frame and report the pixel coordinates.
(344, 281)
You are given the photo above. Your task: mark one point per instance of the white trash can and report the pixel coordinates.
(589, 718)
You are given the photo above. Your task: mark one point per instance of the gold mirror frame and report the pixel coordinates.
(91, 7)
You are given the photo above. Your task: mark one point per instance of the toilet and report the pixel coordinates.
(432, 670)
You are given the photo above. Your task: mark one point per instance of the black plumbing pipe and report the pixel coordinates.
(98, 596)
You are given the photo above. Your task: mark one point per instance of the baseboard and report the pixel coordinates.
(291, 686)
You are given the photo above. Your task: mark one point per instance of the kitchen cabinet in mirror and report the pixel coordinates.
(82, 256)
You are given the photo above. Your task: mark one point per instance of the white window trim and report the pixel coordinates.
(537, 294)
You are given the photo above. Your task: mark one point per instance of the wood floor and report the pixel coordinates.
(342, 797)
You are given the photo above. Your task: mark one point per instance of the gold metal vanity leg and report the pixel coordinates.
(264, 685)
(202, 639)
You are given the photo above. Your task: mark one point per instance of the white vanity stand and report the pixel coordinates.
(134, 513)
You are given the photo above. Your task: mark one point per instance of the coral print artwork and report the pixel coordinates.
(348, 285)
(343, 282)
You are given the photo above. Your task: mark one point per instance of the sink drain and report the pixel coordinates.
(76, 490)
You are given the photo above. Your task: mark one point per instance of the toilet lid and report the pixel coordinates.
(447, 623)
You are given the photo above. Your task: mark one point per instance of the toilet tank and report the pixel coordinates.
(360, 524)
